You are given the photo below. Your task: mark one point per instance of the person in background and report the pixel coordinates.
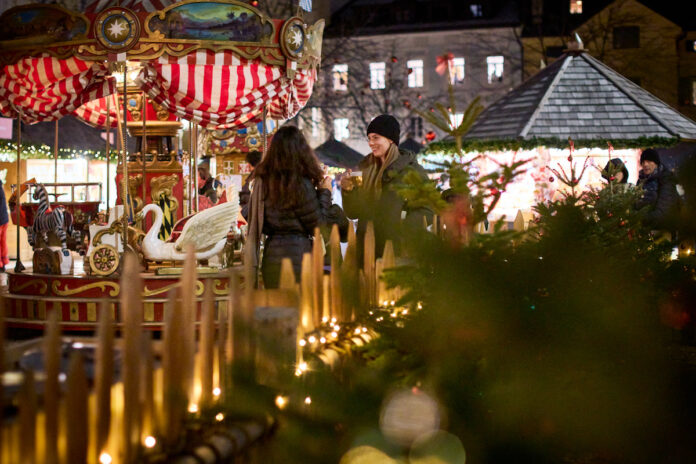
(660, 195)
(615, 171)
(376, 199)
(4, 220)
(290, 197)
(253, 157)
(208, 185)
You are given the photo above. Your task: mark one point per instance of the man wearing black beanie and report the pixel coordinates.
(660, 195)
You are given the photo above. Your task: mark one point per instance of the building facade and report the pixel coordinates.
(402, 56)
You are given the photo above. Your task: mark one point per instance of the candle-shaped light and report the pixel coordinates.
(388, 262)
(223, 308)
(76, 410)
(326, 303)
(189, 308)
(175, 399)
(51, 352)
(147, 389)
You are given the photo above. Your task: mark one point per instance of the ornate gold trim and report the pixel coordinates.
(41, 284)
(225, 290)
(156, 291)
(163, 185)
(116, 288)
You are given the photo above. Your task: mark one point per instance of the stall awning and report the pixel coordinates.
(337, 154)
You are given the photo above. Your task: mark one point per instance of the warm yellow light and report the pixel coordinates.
(322, 340)
(324, 319)
(393, 302)
(303, 342)
(303, 366)
(404, 312)
(219, 417)
(333, 320)
(364, 329)
(334, 334)
(308, 400)
(357, 331)
(298, 372)
(150, 441)
(193, 408)
(312, 339)
(337, 327)
(105, 458)
(217, 391)
(281, 401)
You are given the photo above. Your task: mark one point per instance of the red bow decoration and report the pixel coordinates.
(430, 136)
(444, 62)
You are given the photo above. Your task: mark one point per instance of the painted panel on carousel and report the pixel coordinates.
(42, 24)
(213, 21)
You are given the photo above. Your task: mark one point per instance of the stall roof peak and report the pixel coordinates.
(579, 97)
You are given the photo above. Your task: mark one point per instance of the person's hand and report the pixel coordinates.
(346, 181)
(326, 183)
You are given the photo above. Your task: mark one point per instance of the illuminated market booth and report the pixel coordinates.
(576, 98)
(220, 70)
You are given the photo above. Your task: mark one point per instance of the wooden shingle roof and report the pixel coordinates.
(579, 97)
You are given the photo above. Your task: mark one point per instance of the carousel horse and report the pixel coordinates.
(58, 220)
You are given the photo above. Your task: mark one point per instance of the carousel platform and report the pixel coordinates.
(30, 296)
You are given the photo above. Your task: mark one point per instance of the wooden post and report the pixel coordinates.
(336, 294)
(147, 389)
(125, 194)
(287, 275)
(307, 294)
(55, 158)
(188, 314)
(104, 375)
(52, 355)
(174, 400)
(27, 420)
(143, 147)
(132, 316)
(76, 410)
(317, 276)
(206, 351)
(369, 264)
(19, 267)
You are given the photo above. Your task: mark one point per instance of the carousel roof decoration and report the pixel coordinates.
(337, 154)
(234, 141)
(579, 97)
(218, 63)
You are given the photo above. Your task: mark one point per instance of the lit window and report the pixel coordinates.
(456, 119)
(687, 91)
(575, 6)
(415, 73)
(341, 131)
(495, 68)
(316, 119)
(340, 77)
(456, 70)
(691, 46)
(476, 10)
(416, 126)
(377, 75)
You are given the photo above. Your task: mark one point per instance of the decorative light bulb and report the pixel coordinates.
(105, 458)
(150, 441)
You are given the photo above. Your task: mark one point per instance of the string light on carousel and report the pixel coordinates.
(153, 260)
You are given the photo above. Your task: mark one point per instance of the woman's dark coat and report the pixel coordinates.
(384, 212)
(289, 232)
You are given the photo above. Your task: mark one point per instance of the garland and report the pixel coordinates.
(8, 152)
(469, 145)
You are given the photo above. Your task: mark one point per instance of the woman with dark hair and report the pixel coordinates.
(290, 196)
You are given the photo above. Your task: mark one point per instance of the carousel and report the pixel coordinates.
(220, 71)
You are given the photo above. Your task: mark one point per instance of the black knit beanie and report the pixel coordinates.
(385, 125)
(650, 154)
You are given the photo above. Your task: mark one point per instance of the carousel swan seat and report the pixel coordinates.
(206, 231)
(113, 239)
